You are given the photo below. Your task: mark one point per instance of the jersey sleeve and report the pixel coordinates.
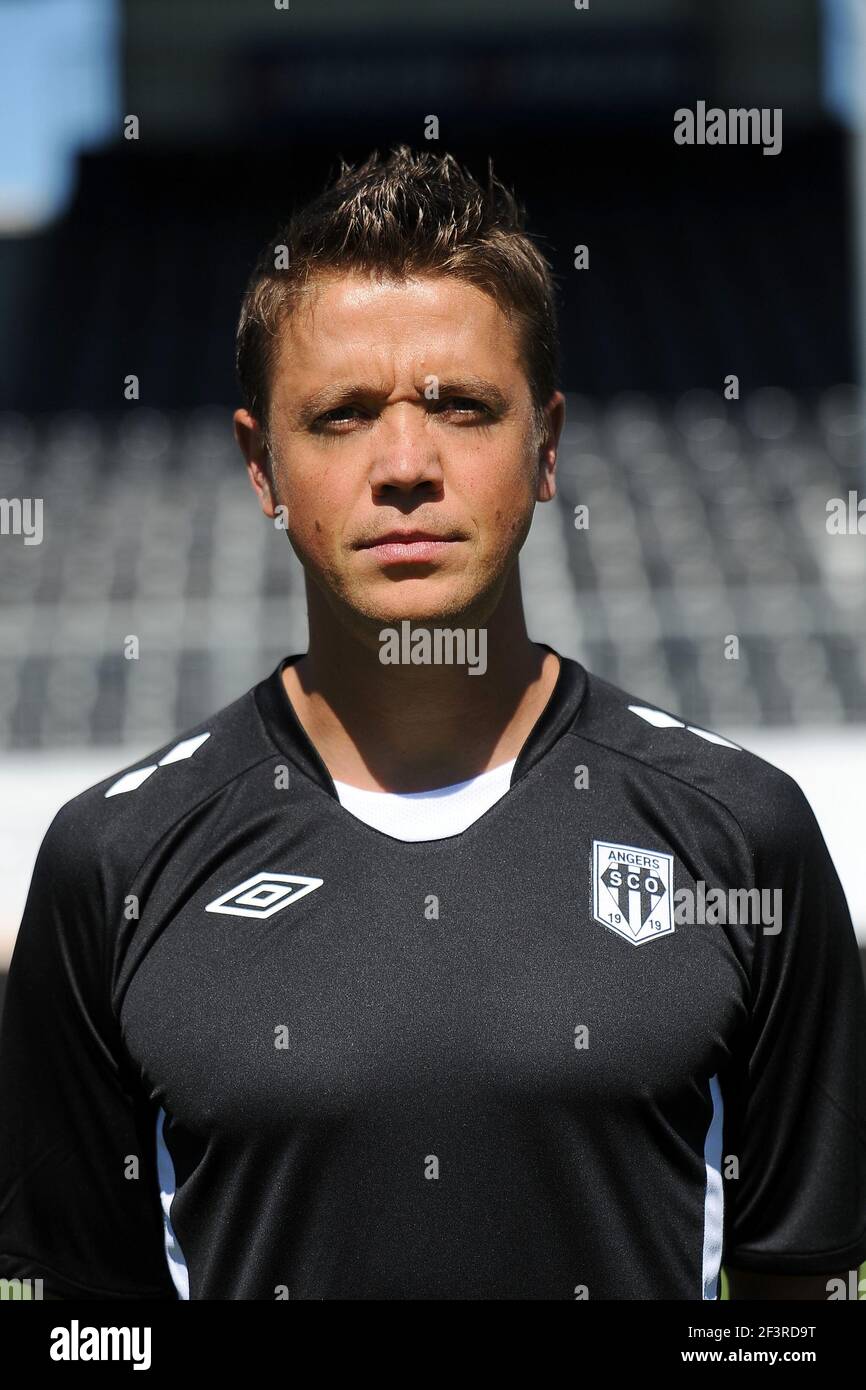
(798, 1205)
(79, 1193)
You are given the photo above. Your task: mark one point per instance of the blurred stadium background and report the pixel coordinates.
(707, 516)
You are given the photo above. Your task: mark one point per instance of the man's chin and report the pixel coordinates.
(421, 601)
(435, 601)
(451, 612)
(418, 618)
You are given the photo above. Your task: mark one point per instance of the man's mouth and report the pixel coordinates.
(412, 546)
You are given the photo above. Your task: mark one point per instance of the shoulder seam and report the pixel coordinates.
(103, 839)
(664, 772)
(193, 806)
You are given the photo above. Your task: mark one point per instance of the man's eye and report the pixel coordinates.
(333, 416)
(464, 403)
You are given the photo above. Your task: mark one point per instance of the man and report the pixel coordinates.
(372, 986)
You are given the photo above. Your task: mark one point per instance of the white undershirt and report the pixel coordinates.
(430, 815)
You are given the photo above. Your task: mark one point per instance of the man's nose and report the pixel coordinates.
(405, 454)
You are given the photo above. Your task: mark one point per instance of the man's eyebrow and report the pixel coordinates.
(479, 386)
(348, 393)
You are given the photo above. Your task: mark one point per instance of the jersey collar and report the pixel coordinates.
(290, 736)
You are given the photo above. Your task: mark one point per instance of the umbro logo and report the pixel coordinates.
(264, 894)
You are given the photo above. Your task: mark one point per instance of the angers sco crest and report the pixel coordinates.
(632, 891)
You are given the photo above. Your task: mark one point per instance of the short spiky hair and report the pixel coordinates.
(412, 213)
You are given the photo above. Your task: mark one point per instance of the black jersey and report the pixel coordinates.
(253, 1048)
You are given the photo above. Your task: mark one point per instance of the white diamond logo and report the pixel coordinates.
(264, 894)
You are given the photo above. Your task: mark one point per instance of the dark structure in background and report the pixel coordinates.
(703, 261)
(698, 266)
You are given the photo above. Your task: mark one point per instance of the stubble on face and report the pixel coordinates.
(400, 405)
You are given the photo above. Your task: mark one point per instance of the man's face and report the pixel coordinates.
(401, 406)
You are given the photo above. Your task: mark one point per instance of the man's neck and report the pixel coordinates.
(405, 728)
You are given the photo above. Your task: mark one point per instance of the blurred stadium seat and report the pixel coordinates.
(705, 519)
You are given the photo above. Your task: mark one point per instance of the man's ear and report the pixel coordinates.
(554, 419)
(253, 444)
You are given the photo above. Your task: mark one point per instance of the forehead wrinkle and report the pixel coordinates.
(312, 319)
(455, 381)
(360, 313)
